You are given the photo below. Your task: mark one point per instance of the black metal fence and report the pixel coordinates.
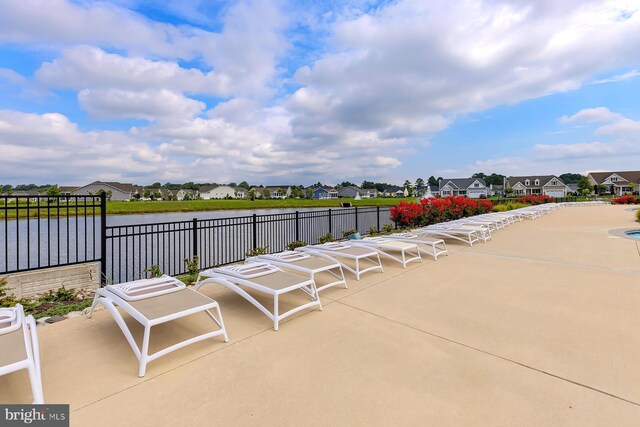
(131, 249)
(49, 231)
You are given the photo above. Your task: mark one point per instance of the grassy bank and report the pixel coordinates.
(128, 208)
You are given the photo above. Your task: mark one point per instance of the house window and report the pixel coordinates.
(519, 191)
(476, 185)
(537, 182)
(536, 191)
(527, 182)
(614, 178)
(554, 182)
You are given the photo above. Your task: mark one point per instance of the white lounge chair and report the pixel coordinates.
(305, 263)
(469, 235)
(427, 245)
(19, 347)
(152, 302)
(340, 252)
(265, 278)
(386, 247)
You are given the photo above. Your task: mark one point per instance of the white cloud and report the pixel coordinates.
(619, 77)
(149, 105)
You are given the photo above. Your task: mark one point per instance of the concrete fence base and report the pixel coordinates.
(32, 283)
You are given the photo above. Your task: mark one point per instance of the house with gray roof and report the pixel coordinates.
(352, 191)
(119, 191)
(619, 183)
(474, 188)
(549, 185)
(324, 192)
(209, 192)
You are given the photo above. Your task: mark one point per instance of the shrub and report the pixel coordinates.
(508, 207)
(296, 244)
(6, 299)
(435, 210)
(326, 238)
(638, 214)
(625, 200)
(387, 228)
(535, 199)
(372, 231)
(192, 267)
(260, 250)
(59, 295)
(153, 271)
(349, 232)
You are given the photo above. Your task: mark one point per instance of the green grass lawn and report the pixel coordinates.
(141, 207)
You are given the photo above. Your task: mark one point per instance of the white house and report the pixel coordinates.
(222, 192)
(275, 191)
(473, 188)
(119, 191)
(549, 185)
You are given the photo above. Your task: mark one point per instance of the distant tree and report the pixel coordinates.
(584, 184)
(108, 194)
(53, 190)
(190, 186)
(267, 193)
(602, 189)
(244, 184)
(317, 184)
(419, 183)
(407, 183)
(347, 184)
(571, 178)
(368, 185)
(147, 194)
(252, 194)
(309, 193)
(494, 179)
(634, 187)
(480, 175)
(432, 180)
(508, 191)
(296, 193)
(233, 184)
(156, 185)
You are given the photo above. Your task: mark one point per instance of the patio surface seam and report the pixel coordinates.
(488, 353)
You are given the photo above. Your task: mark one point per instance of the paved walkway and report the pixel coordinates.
(537, 327)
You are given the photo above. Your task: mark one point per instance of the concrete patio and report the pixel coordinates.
(538, 327)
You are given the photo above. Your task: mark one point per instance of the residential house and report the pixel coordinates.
(473, 188)
(395, 191)
(573, 189)
(209, 192)
(186, 194)
(324, 192)
(119, 191)
(619, 183)
(275, 191)
(496, 190)
(549, 185)
(351, 191)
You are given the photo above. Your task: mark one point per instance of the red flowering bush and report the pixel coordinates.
(625, 200)
(435, 210)
(535, 199)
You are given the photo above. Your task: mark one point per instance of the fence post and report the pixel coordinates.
(195, 237)
(255, 231)
(378, 218)
(297, 225)
(103, 239)
(356, 218)
(330, 228)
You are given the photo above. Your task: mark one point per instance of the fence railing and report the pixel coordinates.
(49, 231)
(131, 249)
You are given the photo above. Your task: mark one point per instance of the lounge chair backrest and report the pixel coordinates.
(289, 256)
(336, 246)
(146, 288)
(10, 320)
(248, 271)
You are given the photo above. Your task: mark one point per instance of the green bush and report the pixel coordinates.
(296, 244)
(260, 250)
(638, 214)
(326, 238)
(387, 228)
(372, 231)
(6, 299)
(508, 207)
(192, 267)
(154, 271)
(349, 232)
(59, 295)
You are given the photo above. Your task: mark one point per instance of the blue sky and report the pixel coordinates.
(307, 91)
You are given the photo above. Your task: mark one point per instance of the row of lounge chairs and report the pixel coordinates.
(159, 300)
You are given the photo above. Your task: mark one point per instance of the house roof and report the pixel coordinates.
(324, 187)
(393, 189)
(461, 182)
(631, 176)
(544, 179)
(124, 187)
(207, 188)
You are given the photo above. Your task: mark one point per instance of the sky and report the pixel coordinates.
(296, 92)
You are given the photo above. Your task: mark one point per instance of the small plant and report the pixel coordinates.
(349, 232)
(192, 267)
(387, 228)
(372, 231)
(638, 215)
(62, 294)
(153, 271)
(296, 244)
(625, 200)
(326, 238)
(260, 250)
(6, 299)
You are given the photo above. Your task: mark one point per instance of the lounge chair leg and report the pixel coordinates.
(35, 372)
(276, 319)
(144, 352)
(36, 387)
(94, 303)
(224, 330)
